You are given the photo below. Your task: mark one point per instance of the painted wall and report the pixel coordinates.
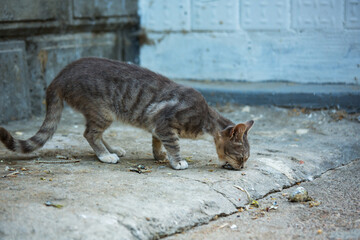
(315, 41)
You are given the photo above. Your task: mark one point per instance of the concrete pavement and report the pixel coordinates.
(93, 200)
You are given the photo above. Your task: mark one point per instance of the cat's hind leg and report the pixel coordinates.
(118, 150)
(157, 149)
(170, 140)
(95, 127)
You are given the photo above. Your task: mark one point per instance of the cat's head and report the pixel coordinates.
(232, 145)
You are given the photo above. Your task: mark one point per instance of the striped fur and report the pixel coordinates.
(46, 131)
(105, 90)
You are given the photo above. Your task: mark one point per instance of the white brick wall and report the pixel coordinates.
(264, 15)
(296, 40)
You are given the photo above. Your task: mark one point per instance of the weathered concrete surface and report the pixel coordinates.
(109, 202)
(337, 216)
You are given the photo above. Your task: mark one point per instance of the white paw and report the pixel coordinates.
(179, 165)
(110, 158)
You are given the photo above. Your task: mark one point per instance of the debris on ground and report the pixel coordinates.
(274, 206)
(13, 171)
(258, 214)
(300, 194)
(140, 169)
(7, 168)
(297, 112)
(233, 227)
(62, 161)
(50, 204)
(314, 203)
(301, 131)
(338, 115)
(223, 225)
(241, 209)
(251, 201)
(13, 174)
(254, 203)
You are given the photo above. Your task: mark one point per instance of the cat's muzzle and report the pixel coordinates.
(229, 167)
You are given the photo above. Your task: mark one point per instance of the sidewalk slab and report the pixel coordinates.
(110, 202)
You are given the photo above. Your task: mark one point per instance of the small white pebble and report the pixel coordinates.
(246, 109)
(233, 227)
(302, 131)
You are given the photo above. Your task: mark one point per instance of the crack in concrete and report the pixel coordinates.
(196, 180)
(213, 218)
(307, 180)
(222, 215)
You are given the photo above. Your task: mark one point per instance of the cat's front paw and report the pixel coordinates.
(160, 156)
(109, 158)
(119, 151)
(180, 165)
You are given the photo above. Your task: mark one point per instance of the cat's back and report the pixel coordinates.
(94, 70)
(131, 93)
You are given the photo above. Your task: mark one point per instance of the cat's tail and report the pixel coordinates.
(54, 107)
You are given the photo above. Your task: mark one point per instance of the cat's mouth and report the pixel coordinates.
(227, 166)
(231, 163)
(230, 167)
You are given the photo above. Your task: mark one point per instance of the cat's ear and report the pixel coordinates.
(249, 125)
(226, 132)
(240, 129)
(237, 132)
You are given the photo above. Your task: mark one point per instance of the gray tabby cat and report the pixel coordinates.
(104, 90)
